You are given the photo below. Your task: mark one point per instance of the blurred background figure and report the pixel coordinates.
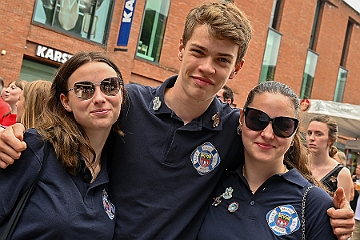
(32, 102)
(340, 157)
(355, 205)
(320, 136)
(226, 95)
(11, 96)
(4, 107)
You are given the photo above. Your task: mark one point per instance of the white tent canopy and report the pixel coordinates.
(346, 115)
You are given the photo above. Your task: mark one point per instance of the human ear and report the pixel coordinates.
(65, 102)
(237, 68)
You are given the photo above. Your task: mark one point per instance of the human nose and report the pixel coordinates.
(268, 131)
(310, 136)
(207, 66)
(98, 94)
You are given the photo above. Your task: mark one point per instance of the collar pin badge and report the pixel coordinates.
(217, 201)
(233, 207)
(156, 103)
(216, 119)
(228, 193)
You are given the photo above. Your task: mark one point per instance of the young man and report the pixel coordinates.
(178, 139)
(226, 95)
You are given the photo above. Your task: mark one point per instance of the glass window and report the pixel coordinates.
(153, 28)
(88, 19)
(309, 73)
(275, 14)
(340, 85)
(270, 56)
(31, 70)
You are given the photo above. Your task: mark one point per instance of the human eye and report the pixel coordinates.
(224, 60)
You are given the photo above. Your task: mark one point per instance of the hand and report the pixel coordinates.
(11, 144)
(342, 216)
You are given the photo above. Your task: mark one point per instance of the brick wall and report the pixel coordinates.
(20, 37)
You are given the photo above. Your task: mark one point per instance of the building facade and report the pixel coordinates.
(311, 45)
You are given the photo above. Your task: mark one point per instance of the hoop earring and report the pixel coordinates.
(238, 130)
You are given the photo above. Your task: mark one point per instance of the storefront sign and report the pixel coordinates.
(352, 144)
(52, 54)
(126, 22)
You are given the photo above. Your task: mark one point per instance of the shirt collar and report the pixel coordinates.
(210, 119)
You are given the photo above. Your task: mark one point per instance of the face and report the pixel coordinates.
(20, 107)
(100, 111)
(357, 170)
(264, 146)
(206, 64)
(12, 93)
(317, 137)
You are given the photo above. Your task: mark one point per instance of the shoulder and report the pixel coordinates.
(34, 143)
(345, 172)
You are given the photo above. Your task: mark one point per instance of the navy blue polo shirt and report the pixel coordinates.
(273, 212)
(162, 171)
(62, 206)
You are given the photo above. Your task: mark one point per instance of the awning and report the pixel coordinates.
(346, 115)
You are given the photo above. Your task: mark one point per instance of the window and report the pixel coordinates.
(153, 28)
(276, 13)
(31, 70)
(270, 56)
(309, 73)
(87, 19)
(312, 56)
(340, 85)
(272, 44)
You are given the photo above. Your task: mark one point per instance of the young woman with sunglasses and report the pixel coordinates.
(263, 198)
(321, 135)
(71, 199)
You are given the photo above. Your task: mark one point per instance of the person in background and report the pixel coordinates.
(263, 197)
(31, 102)
(72, 196)
(4, 107)
(161, 185)
(321, 134)
(340, 157)
(356, 203)
(355, 178)
(225, 94)
(11, 96)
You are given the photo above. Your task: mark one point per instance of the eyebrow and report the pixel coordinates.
(207, 50)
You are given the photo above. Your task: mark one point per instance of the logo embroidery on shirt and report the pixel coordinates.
(108, 206)
(283, 220)
(205, 158)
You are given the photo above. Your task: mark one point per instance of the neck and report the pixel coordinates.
(319, 158)
(257, 173)
(97, 142)
(185, 107)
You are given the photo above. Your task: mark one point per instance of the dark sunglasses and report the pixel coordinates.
(257, 120)
(86, 89)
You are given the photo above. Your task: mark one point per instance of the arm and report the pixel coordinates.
(317, 224)
(11, 144)
(341, 216)
(345, 181)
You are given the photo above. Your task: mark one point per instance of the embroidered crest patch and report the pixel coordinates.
(108, 206)
(205, 158)
(283, 220)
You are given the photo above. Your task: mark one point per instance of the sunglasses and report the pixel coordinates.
(257, 120)
(86, 89)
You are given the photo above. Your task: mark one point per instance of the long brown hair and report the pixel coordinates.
(59, 126)
(35, 95)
